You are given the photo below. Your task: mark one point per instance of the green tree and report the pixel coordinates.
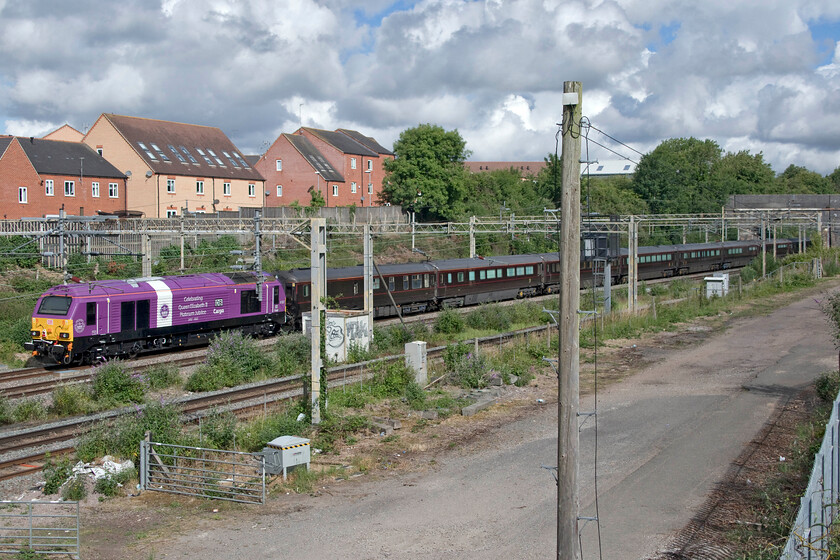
(834, 179)
(676, 177)
(799, 180)
(549, 179)
(611, 195)
(491, 191)
(427, 174)
(743, 173)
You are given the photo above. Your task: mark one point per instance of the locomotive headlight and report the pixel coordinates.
(35, 333)
(64, 335)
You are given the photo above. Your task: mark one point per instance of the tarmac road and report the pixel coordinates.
(666, 435)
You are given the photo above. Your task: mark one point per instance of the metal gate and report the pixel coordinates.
(206, 473)
(44, 528)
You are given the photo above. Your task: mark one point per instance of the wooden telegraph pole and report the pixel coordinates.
(568, 439)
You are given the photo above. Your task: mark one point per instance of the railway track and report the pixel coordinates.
(22, 451)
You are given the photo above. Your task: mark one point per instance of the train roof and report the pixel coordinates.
(304, 274)
(134, 285)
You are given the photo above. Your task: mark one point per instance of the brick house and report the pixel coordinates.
(173, 167)
(39, 177)
(65, 132)
(344, 166)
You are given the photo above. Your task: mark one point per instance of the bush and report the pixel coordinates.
(5, 411)
(391, 380)
(449, 321)
(114, 384)
(392, 340)
(255, 434)
(56, 473)
(453, 354)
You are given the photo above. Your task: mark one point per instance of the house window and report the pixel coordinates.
(170, 186)
(335, 190)
(113, 190)
(199, 187)
(69, 188)
(279, 163)
(49, 187)
(99, 150)
(370, 188)
(94, 189)
(22, 195)
(171, 213)
(353, 187)
(279, 191)
(226, 189)
(252, 189)
(352, 163)
(370, 165)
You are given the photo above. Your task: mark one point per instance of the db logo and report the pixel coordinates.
(164, 311)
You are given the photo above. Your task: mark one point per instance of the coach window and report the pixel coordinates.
(425, 280)
(491, 274)
(91, 314)
(355, 288)
(520, 271)
(448, 277)
(472, 275)
(391, 284)
(143, 314)
(460, 277)
(498, 273)
(482, 275)
(511, 272)
(529, 270)
(405, 282)
(376, 283)
(416, 282)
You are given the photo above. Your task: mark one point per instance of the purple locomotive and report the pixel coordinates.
(87, 322)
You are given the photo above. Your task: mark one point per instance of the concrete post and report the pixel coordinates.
(415, 359)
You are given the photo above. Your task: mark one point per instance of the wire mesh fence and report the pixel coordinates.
(811, 537)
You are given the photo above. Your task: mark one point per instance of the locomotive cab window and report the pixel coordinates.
(143, 314)
(90, 309)
(127, 316)
(276, 295)
(55, 305)
(249, 302)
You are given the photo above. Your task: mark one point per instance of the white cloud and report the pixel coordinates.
(741, 73)
(24, 127)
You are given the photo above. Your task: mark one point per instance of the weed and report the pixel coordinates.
(110, 484)
(29, 554)
(218, 429)
(415, 395)
(494, 317)
(5, 411)
(69, 400)
(75, 489)
(828, 385)
(232, 359)
(114, 384)
(56, 473)
(253, 435)
(163, 375)
(302, 480)
(29, 409)
(122, 437)
(293, 354)
(471, 371)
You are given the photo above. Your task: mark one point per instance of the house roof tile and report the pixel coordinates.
(342, 142)
(314, 157)
(366, 141)
(57, 157)
(173, 148)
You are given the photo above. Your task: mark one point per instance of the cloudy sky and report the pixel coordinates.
(761, 75)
